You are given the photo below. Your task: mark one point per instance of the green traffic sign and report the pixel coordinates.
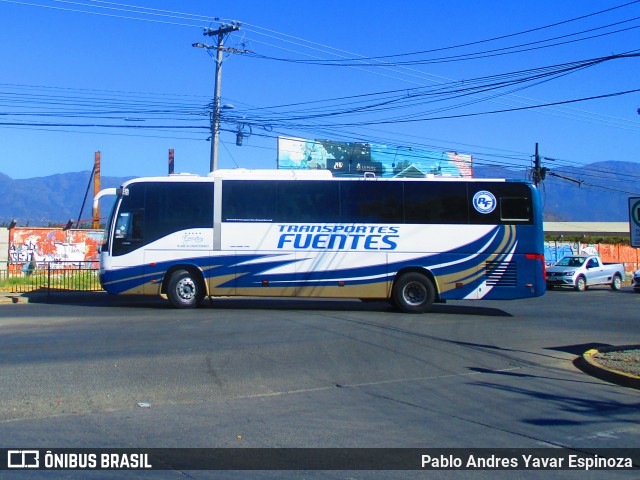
(635, 212)
(634, 221)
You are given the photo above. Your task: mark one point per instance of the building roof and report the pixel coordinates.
(586, 228)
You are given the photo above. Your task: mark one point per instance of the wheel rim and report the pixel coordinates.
(581, 284)
(186, 289)
(414, 293)
(617, 282)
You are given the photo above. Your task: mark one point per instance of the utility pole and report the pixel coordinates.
(539, 172)
(171, 161)
(215, 111)
(536, 166)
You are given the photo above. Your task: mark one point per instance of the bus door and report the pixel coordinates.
(126, 254)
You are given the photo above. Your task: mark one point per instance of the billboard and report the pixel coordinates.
(356, 159)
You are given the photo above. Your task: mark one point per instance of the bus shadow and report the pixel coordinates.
(96, 299)
(104, 300)
(343, 305)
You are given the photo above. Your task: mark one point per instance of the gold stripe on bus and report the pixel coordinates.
(127, 279)
(450, 281)
(213, 283)
(370, 290)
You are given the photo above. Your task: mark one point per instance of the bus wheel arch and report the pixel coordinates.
(414, 290)
(184, 286)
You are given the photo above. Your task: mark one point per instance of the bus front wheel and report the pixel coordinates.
(413, 293)
(184, 290)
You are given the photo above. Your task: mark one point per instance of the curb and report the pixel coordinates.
(590, 365)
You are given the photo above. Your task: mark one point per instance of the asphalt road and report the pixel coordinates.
(299, 373)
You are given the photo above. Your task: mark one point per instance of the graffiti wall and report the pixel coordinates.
(629, 256)
(59, 248)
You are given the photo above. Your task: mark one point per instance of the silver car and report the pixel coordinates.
(635, 281)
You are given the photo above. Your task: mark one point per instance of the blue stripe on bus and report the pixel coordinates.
(462, 269)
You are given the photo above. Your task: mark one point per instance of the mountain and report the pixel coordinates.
(53, 200)
(602, 196)
(597, 192)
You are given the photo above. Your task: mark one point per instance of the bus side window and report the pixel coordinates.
(125, 239)
(128, 232)
(136, 226)
(515, 209)
(312, 202)
(371, 202)
(435, 202)
(129, 226)
(249, 201)
(122, 225)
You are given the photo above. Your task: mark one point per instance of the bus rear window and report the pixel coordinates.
(515, 209)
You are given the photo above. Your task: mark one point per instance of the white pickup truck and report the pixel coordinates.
(582, 271)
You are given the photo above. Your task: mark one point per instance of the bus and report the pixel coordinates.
(301, 233)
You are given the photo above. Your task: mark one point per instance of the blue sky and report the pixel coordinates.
(131, 65)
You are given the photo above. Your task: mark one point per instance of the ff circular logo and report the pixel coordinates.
(484, 202)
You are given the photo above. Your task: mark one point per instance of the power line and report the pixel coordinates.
(477, 42)
(490, 112)
(53, 7)
(174, 14)
(562, 111)
(358, 62)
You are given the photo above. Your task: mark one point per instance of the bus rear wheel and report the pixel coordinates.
(413, 293)
(184, 290)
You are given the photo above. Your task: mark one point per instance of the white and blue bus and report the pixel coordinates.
(294, 233)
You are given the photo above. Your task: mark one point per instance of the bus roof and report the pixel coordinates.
(294, 174)
(287, 174)
(271, 174)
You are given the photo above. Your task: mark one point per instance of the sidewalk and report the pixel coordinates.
(39, 296)
(7, 297)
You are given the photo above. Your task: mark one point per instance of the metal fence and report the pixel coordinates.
(50, 277)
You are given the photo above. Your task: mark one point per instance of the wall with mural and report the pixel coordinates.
(629, 256)
(59, 248)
